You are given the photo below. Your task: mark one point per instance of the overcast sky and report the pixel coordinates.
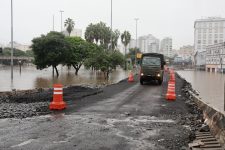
(161, 18)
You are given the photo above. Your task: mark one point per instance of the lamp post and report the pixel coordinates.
(11, 39)
(135, 60)
(111, 28)
(61, 11)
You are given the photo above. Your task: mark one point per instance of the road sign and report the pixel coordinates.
(139, 55)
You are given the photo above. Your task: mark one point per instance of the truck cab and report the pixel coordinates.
(152, 67)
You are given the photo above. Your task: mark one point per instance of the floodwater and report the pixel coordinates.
(210, 85)
(30, 77)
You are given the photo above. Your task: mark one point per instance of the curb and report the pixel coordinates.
(213, 118)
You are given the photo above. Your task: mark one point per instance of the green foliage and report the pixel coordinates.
(105, 61)
(115, 37)
(69, 24)
(49, 50)
(76, 53)
(100, 34)
(125, 38)
(29, 53)
(16, 52)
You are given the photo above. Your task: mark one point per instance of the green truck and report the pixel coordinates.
(152, 67)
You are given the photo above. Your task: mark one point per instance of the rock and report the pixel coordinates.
(204, 128)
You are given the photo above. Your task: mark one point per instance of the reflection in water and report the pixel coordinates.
(30, 78)
(209, 84)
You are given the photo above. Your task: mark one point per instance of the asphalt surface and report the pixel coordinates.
(124, 116)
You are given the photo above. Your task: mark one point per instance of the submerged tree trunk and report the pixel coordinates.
(77, 68)
(56, 70)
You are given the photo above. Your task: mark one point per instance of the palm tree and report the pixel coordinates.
(125, 39)
(69, 24)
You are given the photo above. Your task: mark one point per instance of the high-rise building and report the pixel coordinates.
(186, 52)
(132, 43)
(208, 31)
(148, 44)
(166, 47)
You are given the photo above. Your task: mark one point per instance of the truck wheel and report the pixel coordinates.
(160, 81)
(141, 82)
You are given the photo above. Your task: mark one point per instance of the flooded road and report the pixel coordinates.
(31, 78)
(209, 84)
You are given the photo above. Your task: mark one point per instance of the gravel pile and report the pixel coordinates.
(28, 103)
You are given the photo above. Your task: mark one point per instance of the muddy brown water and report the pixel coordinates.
(210, 86)
(30, 77)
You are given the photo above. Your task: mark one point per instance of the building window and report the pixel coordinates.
(221, 30)
(221, 41)
(199, 41)
(216, 36)
(221, 24)
(210, 25)
(215, 41)
(204, 41)
(199, 31)
(221, 35)
(210, 30)
(210, 42)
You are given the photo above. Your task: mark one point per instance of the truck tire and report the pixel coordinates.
(141, 82)
(160, 81)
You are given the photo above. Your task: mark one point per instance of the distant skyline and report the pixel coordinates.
(161, 18)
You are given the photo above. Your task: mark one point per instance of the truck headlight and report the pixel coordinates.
(158, 75)
(142, 74)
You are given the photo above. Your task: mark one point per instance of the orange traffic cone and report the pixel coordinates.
(131, 77)
(57, 102)
(171, 95)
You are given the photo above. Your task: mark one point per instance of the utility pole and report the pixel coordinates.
(11, 39)
(111, 27)
(61, 11)
(136, 19)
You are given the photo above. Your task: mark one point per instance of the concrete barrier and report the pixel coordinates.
(213, 118)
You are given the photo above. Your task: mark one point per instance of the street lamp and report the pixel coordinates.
(111, 27)
(11, 39)
(136, 19)
(61, 11)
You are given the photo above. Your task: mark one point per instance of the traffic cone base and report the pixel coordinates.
(58, 106)
(131, 77)
(170, 96)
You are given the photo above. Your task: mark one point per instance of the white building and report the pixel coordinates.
(75, 32)
(148, 44)
(186, 52)
(215, 57)
(207, 31)
(166, 47)
(19, 46)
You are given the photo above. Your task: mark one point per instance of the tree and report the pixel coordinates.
(76, 53)
(105, 61)
(115, 37)
(99, 34)
(69, 24)
(125, 39)
(16, 52)
(49, 50)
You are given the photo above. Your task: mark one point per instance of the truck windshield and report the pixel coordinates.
(153, 61)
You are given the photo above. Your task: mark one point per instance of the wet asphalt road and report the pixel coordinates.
(136, 117)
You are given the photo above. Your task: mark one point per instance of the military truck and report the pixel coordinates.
(152, 67)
